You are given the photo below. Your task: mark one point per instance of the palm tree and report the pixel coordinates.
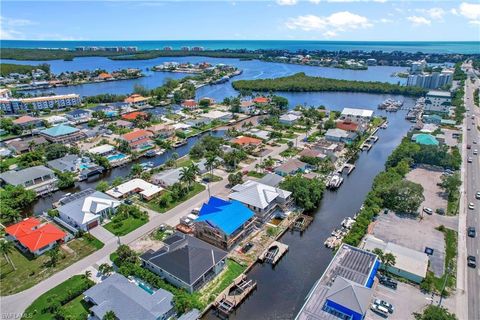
(186, 176)
(210, 163)
(88, 274)
(109, 315)
(6, 247)
(389, 259)
(54, 255)
(105, 269)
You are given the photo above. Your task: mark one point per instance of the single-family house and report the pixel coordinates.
(248, 107)
(339, 135)
(292, 166)
(327, 147)
(27, 121)
(271, 179)
(134, 115)
(139, 140)
(223, 223)
(67, 163)
(145, 189)
(162, 130)
(263, 199)
(128, 300)
(102, 150)
(185, 261)
(197, 122)
(20, 146)
(86, 209)
(218, 115)
(348, 125)
(312, 153)
(136, 100)
(289, 118)
(79, 115)
(123, 124)
(62, 134)
(190, 104)
(30, 235)
(39, 179)
(247, 141)
(356, 115)
(56, 119)
(261, 100)
(167, 178)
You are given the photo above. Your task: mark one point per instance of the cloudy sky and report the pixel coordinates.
(380, 20)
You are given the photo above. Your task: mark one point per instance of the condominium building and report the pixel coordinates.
(431, 80)
(438, 101)
(13, 105)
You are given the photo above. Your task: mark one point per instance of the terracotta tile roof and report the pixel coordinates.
(24, 119)
(136, 134)
(134, 115)
(105, 75)
(261, 100)
(310, 153)
(135, 98)
(189, 103)
(247, 140)
(34, 239)
(347, 125)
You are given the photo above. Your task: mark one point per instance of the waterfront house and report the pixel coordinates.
(261, 100)
(79, 115)
(102, 150)
(292, 166)
(162, 130)
(134, 116)
(218, 115)
(86, 209)
(27, 121)
(167, 178)
(438, 101)
(138, 140)
(62, 134)
(67, 163)
(136, 100)
(271, 179)
(247, 107)
(347, 125)
(185, 261)
(39, 179)
(339, 135)
(409, 264)
(223, 223)
(30, 235)
(263, 199)
(341, 293)
(190, 104)
(198, 122)
(356, 115)
(247, 141)
(128, 299)
(312, 153)
(135, 186)
(327, 147)
(20, 146)
(289, 119)
(123, 124)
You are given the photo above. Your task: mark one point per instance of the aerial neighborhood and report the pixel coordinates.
(175, 201)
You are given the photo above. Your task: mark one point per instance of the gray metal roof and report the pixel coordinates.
(168, 177)
(66, 163)
(28, 174)
(271, 179)
(257, 194)
(350, 295)
(193, 314)
(185, 257)
(127, 300)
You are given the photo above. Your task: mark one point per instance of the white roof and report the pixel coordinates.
(289, 117)
(147, 189)
(406, 259)
(56, 119)
(257, 194)
(215, 114)
(104, 148)
(181, 125)
(336, 133)
(437, 93)
(357, 112)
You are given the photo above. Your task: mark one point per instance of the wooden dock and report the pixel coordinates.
(348, 167)
(234, 295)
(273, 253)
(301, 223)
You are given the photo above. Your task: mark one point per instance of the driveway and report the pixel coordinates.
(102, 234)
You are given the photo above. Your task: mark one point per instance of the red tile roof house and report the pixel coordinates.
(190, 104)
(25, 121)
(136, 100)
(312, 153)
(134, 115)
(261, 100)
(246, 141)
(139, 140)
(30, 235)
(348, 126)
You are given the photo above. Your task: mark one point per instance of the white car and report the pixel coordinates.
(477, 195)
(471, 206)
(475, 152)
(469, 160)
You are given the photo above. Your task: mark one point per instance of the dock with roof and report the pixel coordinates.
(273, 253)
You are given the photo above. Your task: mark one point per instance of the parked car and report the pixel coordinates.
(388, 282)
(384, 304)
(475, 152)
(469, 146)
(469, 160)
(474, 141)
(477, 195)
(471, 232)
(379, 310)
(471, 206)
(427, 210)
(247, 247)
(472, 261)
(128, 201)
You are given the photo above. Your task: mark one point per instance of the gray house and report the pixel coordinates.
(39, 179)
(128, 300)
(67, 163)
(167, 178)
(185, 261)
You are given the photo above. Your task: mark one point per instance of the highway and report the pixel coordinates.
(471, 186)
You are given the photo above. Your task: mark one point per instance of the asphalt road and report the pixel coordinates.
(14, 305)
(472, 185)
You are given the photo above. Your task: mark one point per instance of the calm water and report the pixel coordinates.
(252, 69)
(387, 46)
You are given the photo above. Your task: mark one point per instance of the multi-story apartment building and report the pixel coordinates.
(13, 105)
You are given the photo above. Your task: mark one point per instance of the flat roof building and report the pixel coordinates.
(140, 186)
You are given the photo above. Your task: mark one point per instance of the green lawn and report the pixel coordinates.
(212, 177)
(126, 226)
(224, 279)
(196, 189)
(32, 271)
(74, 306)
(290, 152)
(184, 162)
(255, 174)
(450, 237)
(452, 206)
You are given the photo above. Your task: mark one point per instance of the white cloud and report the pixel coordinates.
(9, 28)
(331, 25)
(454, 11)
(434, 13)
(383, 20)
(471, 11)
(419, 21)
(287, 2)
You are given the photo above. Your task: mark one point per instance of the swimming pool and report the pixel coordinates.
(84, 166)
(116, 157)
(145, 287)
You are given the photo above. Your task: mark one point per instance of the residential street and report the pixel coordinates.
(15, 304)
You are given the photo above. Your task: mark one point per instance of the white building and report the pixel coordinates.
(142, 187)
(431, 80)
(438, 101)
(418, 66)
(39, 103)
(356, 115)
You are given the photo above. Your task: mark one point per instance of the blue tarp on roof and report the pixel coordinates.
(59, 130)
(225, 215)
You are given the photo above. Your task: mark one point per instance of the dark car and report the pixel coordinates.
(128, 201)
(471, 232)
(388, 282)
(472, 261)
(247, 247)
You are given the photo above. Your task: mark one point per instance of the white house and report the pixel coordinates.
(356, 115)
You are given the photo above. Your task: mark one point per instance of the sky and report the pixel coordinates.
(354, 20)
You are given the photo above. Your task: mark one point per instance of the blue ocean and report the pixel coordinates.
(466, 47)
